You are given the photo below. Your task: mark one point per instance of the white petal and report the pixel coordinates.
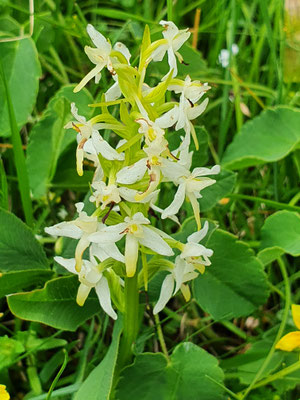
(195, 111)
(172, 61)
(132, 173)
(168, 119)
(104, 148)
(180, 39)
(98, 39)
(109, 234)
(64, 229)
(103, 293)
(123, 49)
(74, 111)
(176, 203)
(88, 77)
(131, 254)
(197, 236)
(82, 294)
(159, 53)
(112, 251)
(165, 293)
(201, 171)
(113, 93)
(68, 263)
(153, 240)
(195, 250)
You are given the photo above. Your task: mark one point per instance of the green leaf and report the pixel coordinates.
(49, 133)
(280, 234)
(14, 281)
(269, 137)
(31, 342)
(186, 376)
(19, 250)
(22, 70)
(54, 305)
(235, 284)
(225, 182)
(9, 350)
(99, 384)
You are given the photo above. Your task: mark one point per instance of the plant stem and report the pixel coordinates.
(275, 204)
(131, 320)
(161, 336)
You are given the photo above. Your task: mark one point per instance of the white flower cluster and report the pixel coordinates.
(128, 176)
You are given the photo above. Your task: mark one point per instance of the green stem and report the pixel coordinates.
(280, 330)
(272, 203)
(170, 10)
(131, 320)
(161, 336)
(280, 374)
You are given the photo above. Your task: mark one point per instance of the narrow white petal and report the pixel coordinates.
(119, 46)
(153, 240)
(82, 294)
(64, 229)
(201, 171)
(194, 112)
(132, 173)
(104, 148)
(88, 77)
(198, 236)
(131, 254)
(80, 248)
(103, 293)
(109, 234)
(172, 61)
(176, 203)
(168, 119)
(113, 93)
(98, 39)
(165, 293)
(180, 39)
(112, 251)
(68, 263)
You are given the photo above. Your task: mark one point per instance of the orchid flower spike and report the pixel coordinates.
(174, 40)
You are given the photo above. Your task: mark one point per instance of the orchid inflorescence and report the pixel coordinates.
(127, 178)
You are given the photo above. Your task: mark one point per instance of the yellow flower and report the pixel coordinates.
(4, 395)
(291, 341)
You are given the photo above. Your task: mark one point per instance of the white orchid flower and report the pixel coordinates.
(174, 40)
(81, 228)
(90, 277)
(101, 56)
(105, 194)
(136, 233)
(114, 92)
(182, 115)
(87, 129)
(195, 253)
(152, 131)
(191, 90)
(175, 281)
(156, 165)
(190, 186)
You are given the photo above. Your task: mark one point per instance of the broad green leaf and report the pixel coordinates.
(99, 384)
(22, 70)
(15, 281)
(224, 185)
(9, 351)
(19, 250)
(281, 234)
(54, 305)
(268, 137)
(48, 138)
(186, 376)
(235, 284)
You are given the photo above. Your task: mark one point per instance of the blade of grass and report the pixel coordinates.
(19, 157)
(272, 203)
(64, 364)
(3, 187)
